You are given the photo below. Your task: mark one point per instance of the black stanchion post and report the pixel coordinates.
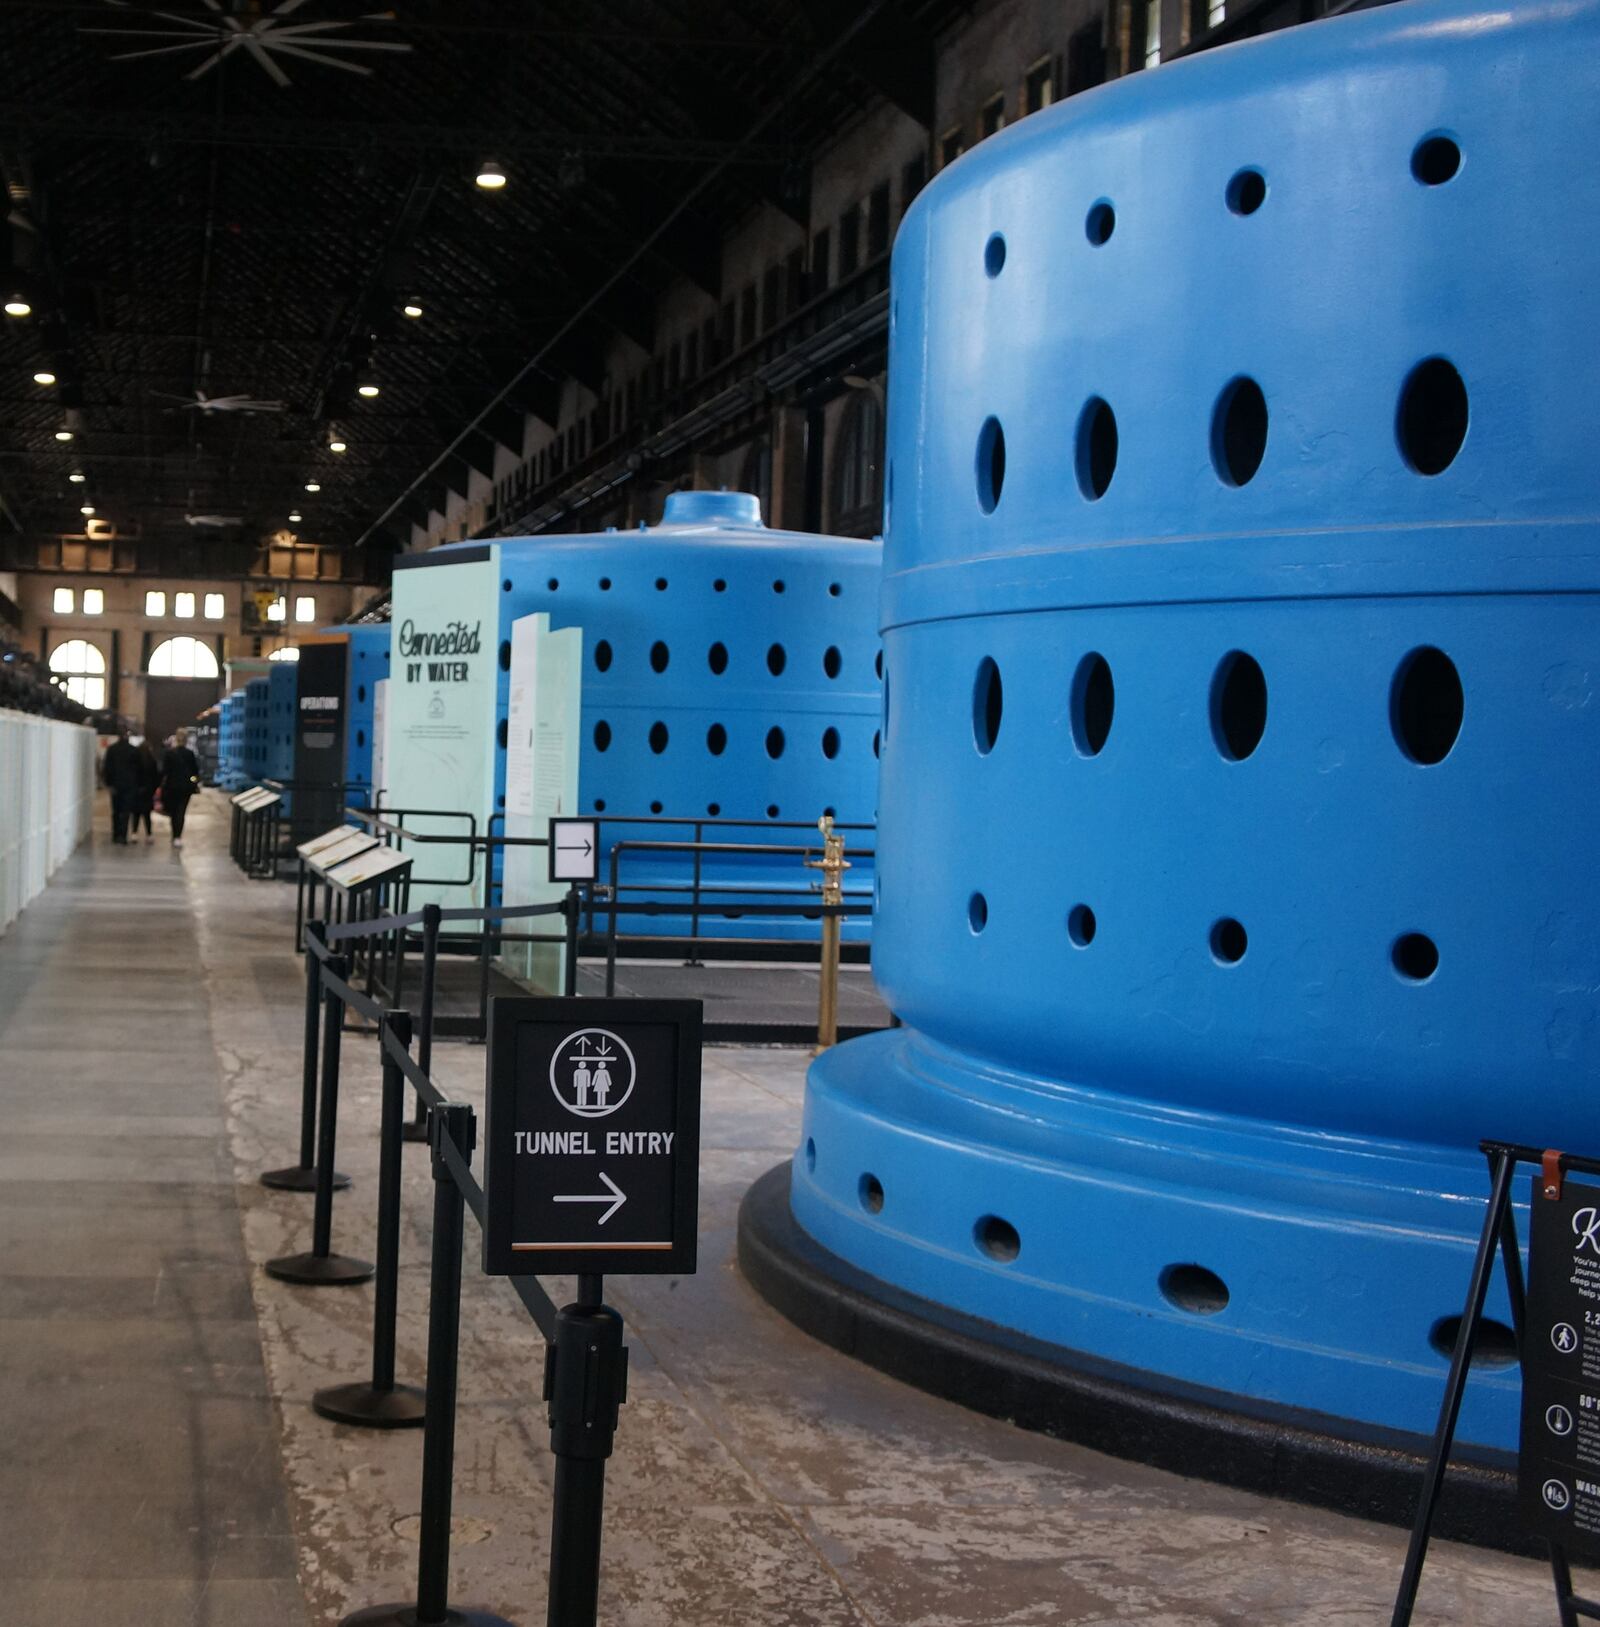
(432, 1608)
(383, 1404)
(585, 1384)
(574, 912)
(302, 1177)
(322, 1266)
(432, 916)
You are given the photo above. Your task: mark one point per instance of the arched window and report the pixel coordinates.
(84, 668)
(182, 658)
(857, 486)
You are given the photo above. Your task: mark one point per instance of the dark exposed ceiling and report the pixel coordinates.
(183, 223)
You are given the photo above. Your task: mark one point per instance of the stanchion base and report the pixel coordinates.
(399, 1408)
(300, 1178)
(413, 1131)
(405, 1615)
(319, 1271)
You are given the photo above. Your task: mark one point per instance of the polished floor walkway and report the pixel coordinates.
(140, 1478)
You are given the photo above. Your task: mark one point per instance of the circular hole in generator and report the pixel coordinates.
(1247, 191)
(1495, 1346)
(713, 808)
(811, 1154)
(977, 912)
(716, 739)
(1415, 956)
(660, 655)
(830, 743)
(832, 661)
(505, 586)
(877, 664)
(605, 584)
(777, 659)
(1238, 705)
(1431, 422)
(658, 737)
(602, 656)
(599, 804)
(505, 655)
(1426, 705)
(877, 742)
(994, 255)
(361, 737)
(361, 692)
(772, 810)
(870, 1191)
(1239, 432)
(602, 736)
(717, 658)
(655, 807)
(661, 584)
(1095, 453)
(1100, 222)
(997, 1238)
(1094, 704)
(774, 742)
(1435, 160)
(1194, 1289)
(1229, 941)
(834, 590)
(719, 586)
(988, 706)
(990, 464)
(1081, 925)
(552, 584)
(778, 587)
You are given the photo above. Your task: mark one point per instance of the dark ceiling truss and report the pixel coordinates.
(234, 237)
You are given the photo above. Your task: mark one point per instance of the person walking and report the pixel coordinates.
(180, 779)
(149, 780)
(119, 773)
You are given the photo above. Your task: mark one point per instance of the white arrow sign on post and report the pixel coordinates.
(574, 849)
(616, 1197)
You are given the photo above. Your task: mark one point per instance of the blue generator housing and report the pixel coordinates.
(1242, 715)
(368, 664)
(230, 741)
(257, 729)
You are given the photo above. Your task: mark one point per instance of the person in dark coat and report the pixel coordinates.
(119, 773)
(180, 779)
(149, 779)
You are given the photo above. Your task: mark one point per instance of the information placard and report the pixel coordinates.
(592, 1150)
(1559, 1466)
(320, 844)
(370, 866)
(358, 841)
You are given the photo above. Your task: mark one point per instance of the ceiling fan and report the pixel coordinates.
(215, 522)
(220, 403)
(243, 26)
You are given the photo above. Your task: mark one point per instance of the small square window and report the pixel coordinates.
(993, 117)
(155, 603)
(215, 607)
(94, 602)
(1152, 33)
(305, 608)
(278, 610)
(183, 604)
(64, 602)
(951, 145)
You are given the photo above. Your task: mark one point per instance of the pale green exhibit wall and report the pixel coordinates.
(439, 734)
(47, 786)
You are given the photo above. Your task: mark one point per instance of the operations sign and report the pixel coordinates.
(1559, 1467)
(592, 1153)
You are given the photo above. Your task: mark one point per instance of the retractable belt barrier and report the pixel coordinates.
(585, 1378)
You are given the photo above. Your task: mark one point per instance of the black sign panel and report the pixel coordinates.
(1559, 1479)
(319, 735)
(592, 1152)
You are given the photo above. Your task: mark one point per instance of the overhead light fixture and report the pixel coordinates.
(313, 485)
(63, 434)
(294, 516)
(490, 176)
(77, 477)
(88, 508)
(411, 309)
(43, 377)
(337, 446)
(367, 390)
(18, 306)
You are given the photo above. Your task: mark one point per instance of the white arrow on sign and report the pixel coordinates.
(615, 1197)
(573, 847)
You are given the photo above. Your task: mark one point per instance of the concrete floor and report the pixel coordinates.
(159, 1461)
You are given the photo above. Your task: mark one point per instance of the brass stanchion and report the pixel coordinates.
(833, 865)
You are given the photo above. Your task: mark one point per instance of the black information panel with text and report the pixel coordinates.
(319, 735)
(1559, 1472)
(592, 1150)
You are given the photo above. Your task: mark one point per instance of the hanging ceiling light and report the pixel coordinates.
(412, 309)
(294, 516)
(88, 508)
(312, 485)
(490, 176)
(16, 305)
(63, 434)
(77, 477)
(43, 376)
(367, 390)
(336, 445)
